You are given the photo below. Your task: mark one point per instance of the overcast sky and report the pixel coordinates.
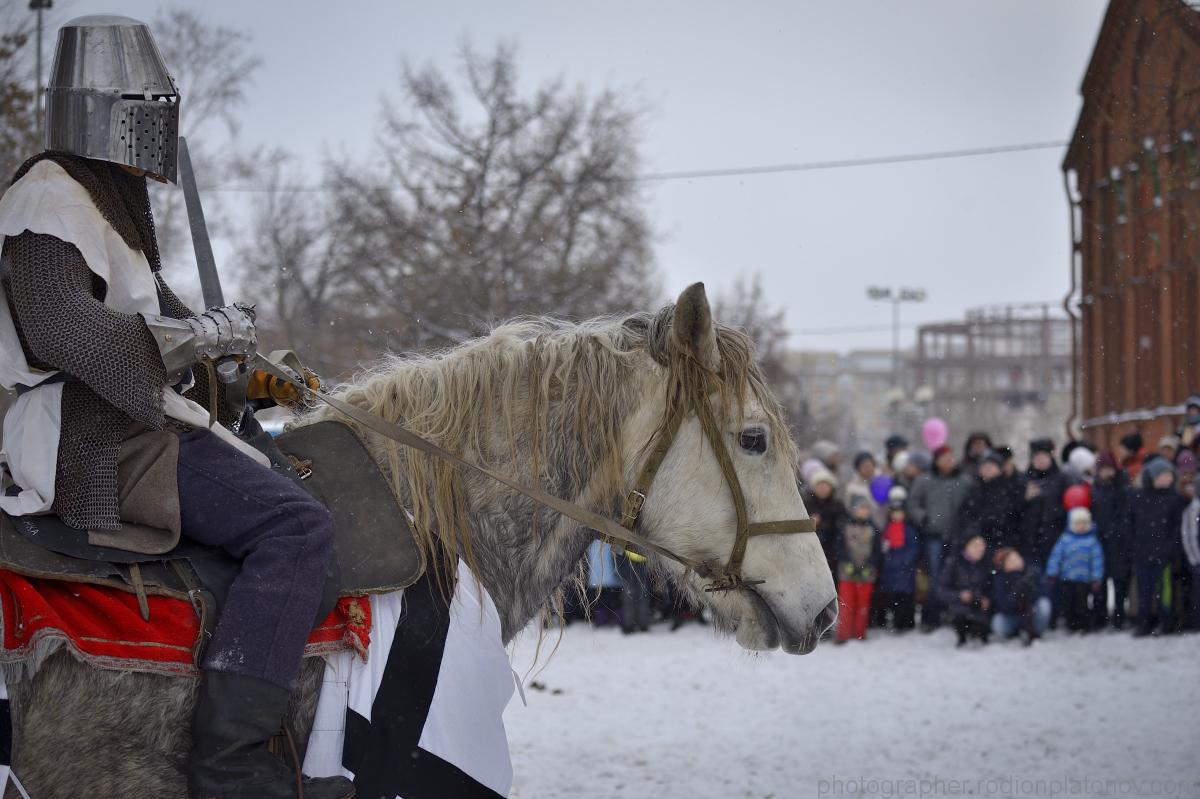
(747, 84)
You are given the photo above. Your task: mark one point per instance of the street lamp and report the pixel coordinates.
(39, 6)
(895, 297)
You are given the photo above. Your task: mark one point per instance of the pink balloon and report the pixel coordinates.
(935, 433)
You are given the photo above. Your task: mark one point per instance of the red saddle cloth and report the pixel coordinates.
(104, 626)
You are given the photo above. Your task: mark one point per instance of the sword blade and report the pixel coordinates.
(210, 281)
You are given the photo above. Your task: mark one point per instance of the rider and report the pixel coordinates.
(102, 353)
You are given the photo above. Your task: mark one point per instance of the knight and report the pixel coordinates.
(108, 363)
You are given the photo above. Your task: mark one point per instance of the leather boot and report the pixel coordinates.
(235, 716)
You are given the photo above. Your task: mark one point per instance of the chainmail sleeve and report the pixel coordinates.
(54, 300)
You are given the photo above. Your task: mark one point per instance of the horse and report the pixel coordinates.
(571, 406)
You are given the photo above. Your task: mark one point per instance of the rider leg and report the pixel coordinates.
(284, 540)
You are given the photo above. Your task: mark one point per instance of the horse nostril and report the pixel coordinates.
(826, 617)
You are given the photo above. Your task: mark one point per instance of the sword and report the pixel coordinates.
(210, 280)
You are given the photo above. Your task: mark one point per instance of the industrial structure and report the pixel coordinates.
(1132, 173)
(1004, 369)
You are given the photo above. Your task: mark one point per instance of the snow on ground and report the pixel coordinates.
(687, 714)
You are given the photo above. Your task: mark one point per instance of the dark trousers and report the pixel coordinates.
(1074, 602)
(935, 553)
(635, 594)
(903, 608)
(1120, 581)
(284, 540)
(1192, 606)
(1150, 585)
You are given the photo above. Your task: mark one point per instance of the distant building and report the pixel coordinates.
(1132, 174)
(849, 396)
(1004, 370)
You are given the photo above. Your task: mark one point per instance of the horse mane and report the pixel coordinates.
(545, 396)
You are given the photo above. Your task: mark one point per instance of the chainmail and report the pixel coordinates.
(62, 323)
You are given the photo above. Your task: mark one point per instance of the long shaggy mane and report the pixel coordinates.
(543, 400)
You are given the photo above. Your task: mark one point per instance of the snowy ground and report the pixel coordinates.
(688, 715)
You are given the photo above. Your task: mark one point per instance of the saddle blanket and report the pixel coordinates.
(104, 628)
(419, 716)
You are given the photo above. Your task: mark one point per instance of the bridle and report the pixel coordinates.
(721, 577)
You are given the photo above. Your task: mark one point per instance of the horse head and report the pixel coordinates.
(787, 599)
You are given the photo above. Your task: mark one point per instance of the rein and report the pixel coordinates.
(723, 577)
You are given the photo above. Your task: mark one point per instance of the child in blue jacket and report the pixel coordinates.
(897, 585)
(1077, 565)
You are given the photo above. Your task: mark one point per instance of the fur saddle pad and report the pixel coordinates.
(376, 550)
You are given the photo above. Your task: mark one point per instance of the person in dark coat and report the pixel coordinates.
(933, 506)
(828, 512)
(965, 590)
(1018, 597)
(1043, 516)
(1154, 518)
(1109, 496)
(897, 585)
(991, 509)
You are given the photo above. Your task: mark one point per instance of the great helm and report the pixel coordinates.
(110, 96)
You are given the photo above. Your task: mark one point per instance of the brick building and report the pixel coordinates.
(1132, 174)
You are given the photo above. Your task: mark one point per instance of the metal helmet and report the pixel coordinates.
(110, 96)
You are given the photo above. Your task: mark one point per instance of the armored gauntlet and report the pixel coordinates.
(212, 335)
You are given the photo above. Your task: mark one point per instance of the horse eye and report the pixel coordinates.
(754, 440)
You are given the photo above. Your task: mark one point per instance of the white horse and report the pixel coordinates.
(572, 408)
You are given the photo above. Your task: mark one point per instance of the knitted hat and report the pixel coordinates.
(1169, 441)
(1153, 468)
(1045, 445)
(1082, 459)
(900, 460)
(822, 476)
(897, 497)
(1185, 461)
(944, 449)
(1079, 515)
(859, 499)
(921, 460)
(1132, 441)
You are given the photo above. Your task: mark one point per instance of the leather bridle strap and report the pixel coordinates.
(583, 516)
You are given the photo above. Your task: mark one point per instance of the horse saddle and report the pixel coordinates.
(375, 547)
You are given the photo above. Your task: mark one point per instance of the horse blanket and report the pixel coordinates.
(417, 713)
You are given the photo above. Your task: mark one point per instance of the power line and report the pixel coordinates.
(770, 169)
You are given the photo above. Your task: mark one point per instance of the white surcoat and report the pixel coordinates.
(49, 201)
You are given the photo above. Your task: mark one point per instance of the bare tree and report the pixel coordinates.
(18, 136)
(213, 68)
(482, 203)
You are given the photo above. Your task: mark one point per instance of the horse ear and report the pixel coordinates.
(693, 326)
